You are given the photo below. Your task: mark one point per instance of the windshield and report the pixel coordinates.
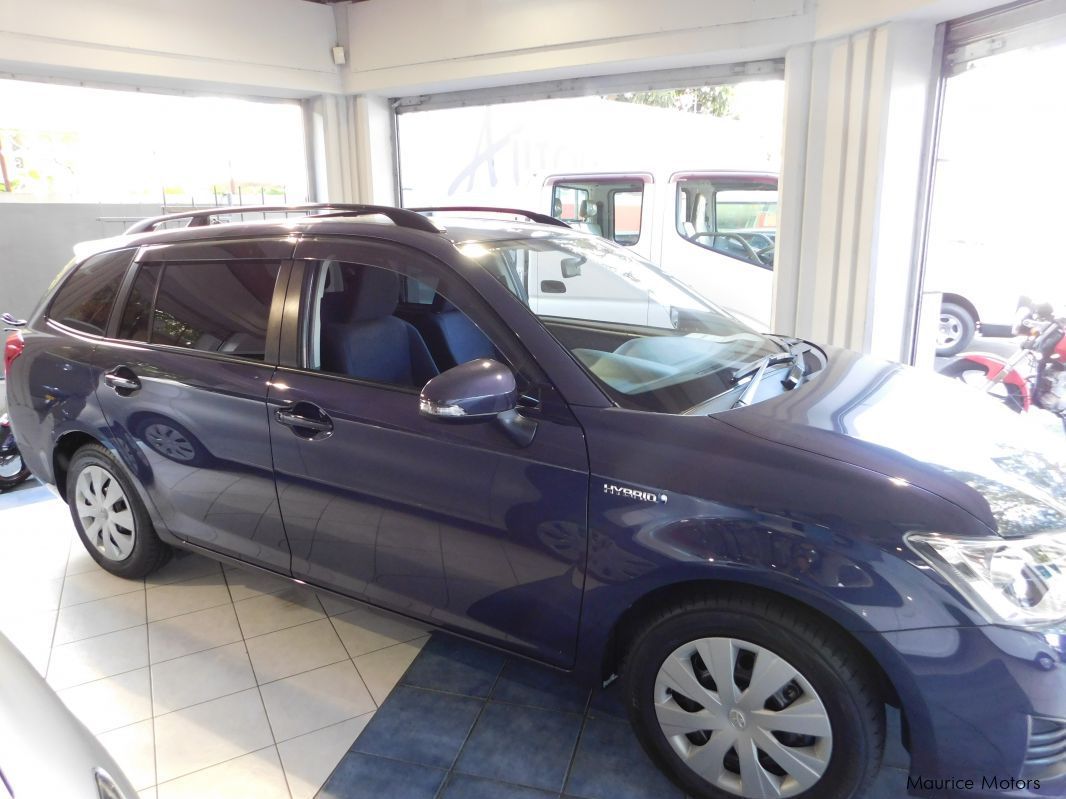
(648, 340)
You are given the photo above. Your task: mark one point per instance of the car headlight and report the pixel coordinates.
(1019, 582)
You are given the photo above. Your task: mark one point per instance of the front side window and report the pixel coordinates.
(604, 206)
(649, 341)
(85, 300)
(220, 307)
(383, 325)
(735, 215)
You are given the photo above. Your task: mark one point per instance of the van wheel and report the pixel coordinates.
(109, 516)
(744, 697)
(955, 330)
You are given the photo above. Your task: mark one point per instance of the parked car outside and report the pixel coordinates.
(45, 752)
(769, 540)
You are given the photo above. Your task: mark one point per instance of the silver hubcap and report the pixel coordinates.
(10, 465)
(105, 513)
(743, 718)
(168, 441)
(949, 332)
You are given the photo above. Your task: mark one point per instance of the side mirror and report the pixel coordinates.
(571, 267)
(474, 390)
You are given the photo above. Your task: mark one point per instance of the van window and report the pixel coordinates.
(735, 215)
(86, 297)
(209, 306)
(604, 206)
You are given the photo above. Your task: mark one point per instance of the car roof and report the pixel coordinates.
(454, 229)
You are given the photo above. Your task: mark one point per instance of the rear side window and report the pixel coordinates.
(85, 299)
(209, 306)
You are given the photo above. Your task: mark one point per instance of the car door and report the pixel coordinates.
(182, 381)
(453, 523)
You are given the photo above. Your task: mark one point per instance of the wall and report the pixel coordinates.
(37, 239)
(262, 47)
(413, 46)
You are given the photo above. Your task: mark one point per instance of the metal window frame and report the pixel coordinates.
(1030, 23)
(767, 69)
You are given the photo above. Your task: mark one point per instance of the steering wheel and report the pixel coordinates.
(748, 253)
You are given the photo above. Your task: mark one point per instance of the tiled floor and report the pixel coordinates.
(468, 723)
(202, 681)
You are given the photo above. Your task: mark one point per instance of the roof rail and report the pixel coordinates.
(532, 216)
(202, 216)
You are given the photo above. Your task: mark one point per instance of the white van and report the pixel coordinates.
(714, 230)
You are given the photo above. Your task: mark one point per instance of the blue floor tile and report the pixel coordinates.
(610, 764)
(523, 745)
(361, 776)
(890, 783)
(463, 786)
(525, 683)
(420, 726)
(607, 702)
(456, 666)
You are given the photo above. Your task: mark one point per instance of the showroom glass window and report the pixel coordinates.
(210, 306)
(85, 300)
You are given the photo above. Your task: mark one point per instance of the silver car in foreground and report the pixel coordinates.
(46, 753)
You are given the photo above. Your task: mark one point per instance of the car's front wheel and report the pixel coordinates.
(744, 697)
(110, 517)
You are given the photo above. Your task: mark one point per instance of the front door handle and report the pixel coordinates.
(123, 380)
(304, 417)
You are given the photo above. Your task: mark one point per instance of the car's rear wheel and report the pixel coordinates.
(955, 330)
(110, 517)
(744, 697)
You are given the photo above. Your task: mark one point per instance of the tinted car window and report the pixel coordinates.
(85, 299)
(213, 306)
(137, 316)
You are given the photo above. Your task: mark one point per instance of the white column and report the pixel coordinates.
(351, 149)
(856, 121)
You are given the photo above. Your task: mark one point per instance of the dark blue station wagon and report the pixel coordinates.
(528, 436)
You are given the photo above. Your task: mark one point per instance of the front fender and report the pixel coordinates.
(995, 367)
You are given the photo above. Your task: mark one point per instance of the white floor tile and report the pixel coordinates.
(101, 616)
(133, 748)
(93, 585)
(147, 793)
(177, 599)
(112, 702)
(193, 632)
(311, 758)
(99, 657)
(254, 776)
(28, 631)
(335, 605)
(265, 614)
(79, 560)
(381, 670)
(30, 593)
(200, 677)
(203, 735)
(315, 699)
(295, 649)
(248, 583)
(365, 630)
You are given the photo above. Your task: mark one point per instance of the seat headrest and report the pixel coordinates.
(369, 293)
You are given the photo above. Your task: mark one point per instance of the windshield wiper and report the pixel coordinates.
(794, 356)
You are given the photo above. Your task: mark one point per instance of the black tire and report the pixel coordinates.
(962, 321)
(149, 553)
(824, 657)
(16, 479)
(958, 369)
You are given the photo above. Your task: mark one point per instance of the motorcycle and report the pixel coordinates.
(13, 470)
(1042, 384)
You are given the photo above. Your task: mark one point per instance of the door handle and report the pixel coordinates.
(123, 380)
(290, 417)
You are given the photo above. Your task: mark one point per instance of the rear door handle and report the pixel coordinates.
(123, 380)
(297, 417)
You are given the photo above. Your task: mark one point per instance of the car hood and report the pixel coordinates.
(916, 426)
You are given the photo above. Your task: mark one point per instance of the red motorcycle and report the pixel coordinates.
(1042, 384)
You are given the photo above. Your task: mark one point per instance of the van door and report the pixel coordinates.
(721, 239)
(615, 206)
